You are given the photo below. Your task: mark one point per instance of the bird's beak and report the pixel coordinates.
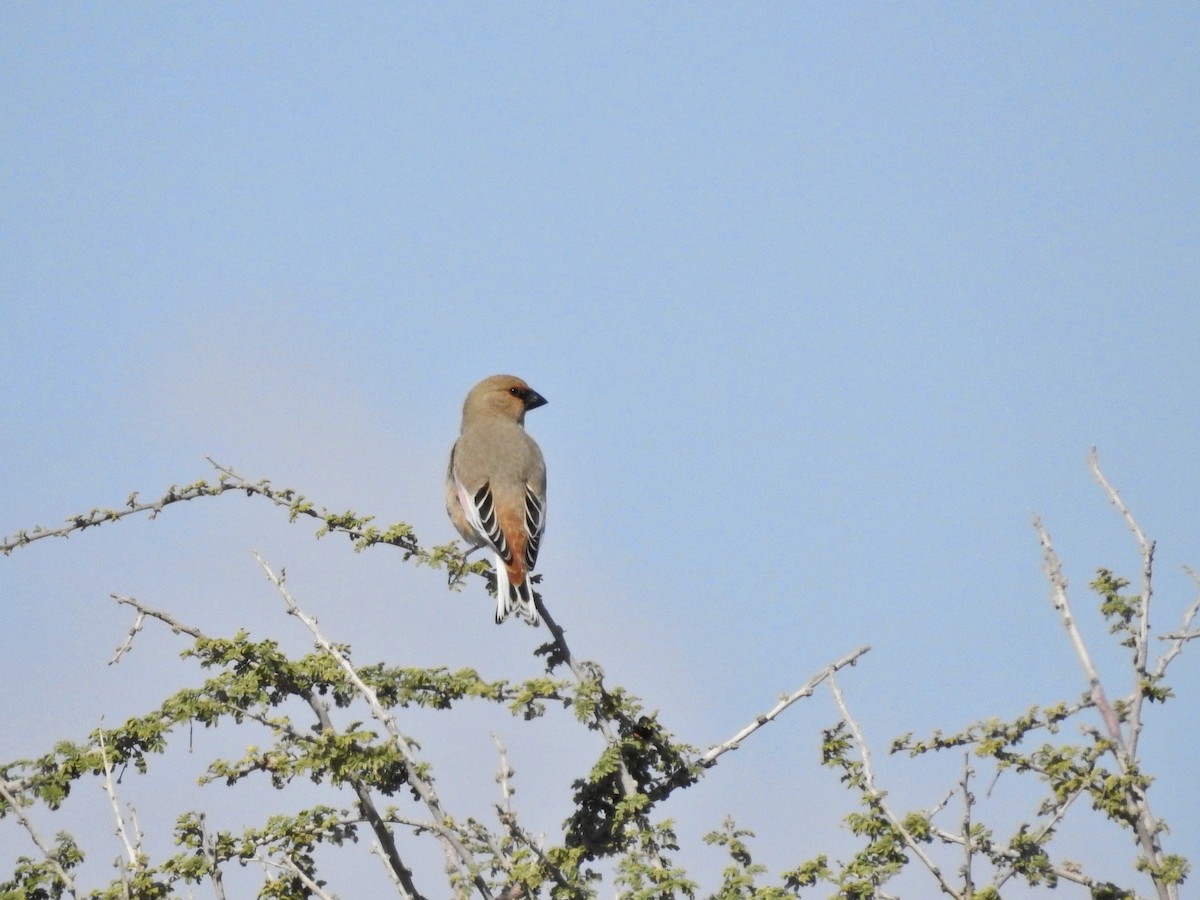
(533, 400)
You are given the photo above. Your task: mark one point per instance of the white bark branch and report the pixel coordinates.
(127, 644)
(503, 776)
(1056, 816)
(423, 788)
(132, 854)
(805, 690)
(878, 796)
(289, 865)
(1058, 590)
(1141, 648)
(38, 841)
(968, 846)
(1183, 635)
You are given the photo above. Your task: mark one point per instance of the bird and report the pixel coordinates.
(496, 487)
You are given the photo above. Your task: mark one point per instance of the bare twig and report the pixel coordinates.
(39, 841)
(941, 804)
(1124, 745)
(127, 644)
(503, 774)
(878, 796)
(332, 523)
(968, 846)
(805, 690)
(209, 844)
(1058, 588)
(165, 617)
(132, 854)
(98, 516)
(228, 480)
(1115, 498)
(1142, 645)
(1183, 635)
(1056, 816)
(422, 787)
(289, 865)
(377, 849)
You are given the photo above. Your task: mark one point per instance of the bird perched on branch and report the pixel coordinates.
(496, 487)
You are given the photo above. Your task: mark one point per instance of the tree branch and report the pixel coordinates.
(584, 672)
(289, 865)
(397, 870)
(1181, 637)
(968, 846)
(127, 644)
(1124, 747)
(1142, 644)
(805, 690)
(166, 618)
(1058, 812)
(1058, 586)
(877, 796)
(39, 841)
(208, 844)
(132, 854)
(423, 788)
(357, 528)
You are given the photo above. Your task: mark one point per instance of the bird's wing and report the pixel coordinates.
(535, 524)
(480, 510)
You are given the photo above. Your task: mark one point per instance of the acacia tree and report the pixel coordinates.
(324, 717)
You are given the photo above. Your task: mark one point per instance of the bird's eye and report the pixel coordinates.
(516, 391)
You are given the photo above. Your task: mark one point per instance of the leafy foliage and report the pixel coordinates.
(613, 829)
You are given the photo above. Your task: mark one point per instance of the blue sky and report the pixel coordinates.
(827, 300)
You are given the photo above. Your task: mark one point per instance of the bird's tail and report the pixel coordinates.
(516, 598)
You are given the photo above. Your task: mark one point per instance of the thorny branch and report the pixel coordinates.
(163, 616)
(1048, 827)
(208, 845)
(132, 853)
(1144, 824)
(385, 846)
(968, 845)
(287, 864)
(127, 644)
(805, 690)
(1142, 645)
(377, 849)
(39, 841)
(353, 527)
(1183, 635)
(877, 795)
(1124, 747)
(503, 774)
(422, 787)
(1058, 587)
(384, 839)
(396, 868)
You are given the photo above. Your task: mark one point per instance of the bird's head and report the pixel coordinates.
(505, 396)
